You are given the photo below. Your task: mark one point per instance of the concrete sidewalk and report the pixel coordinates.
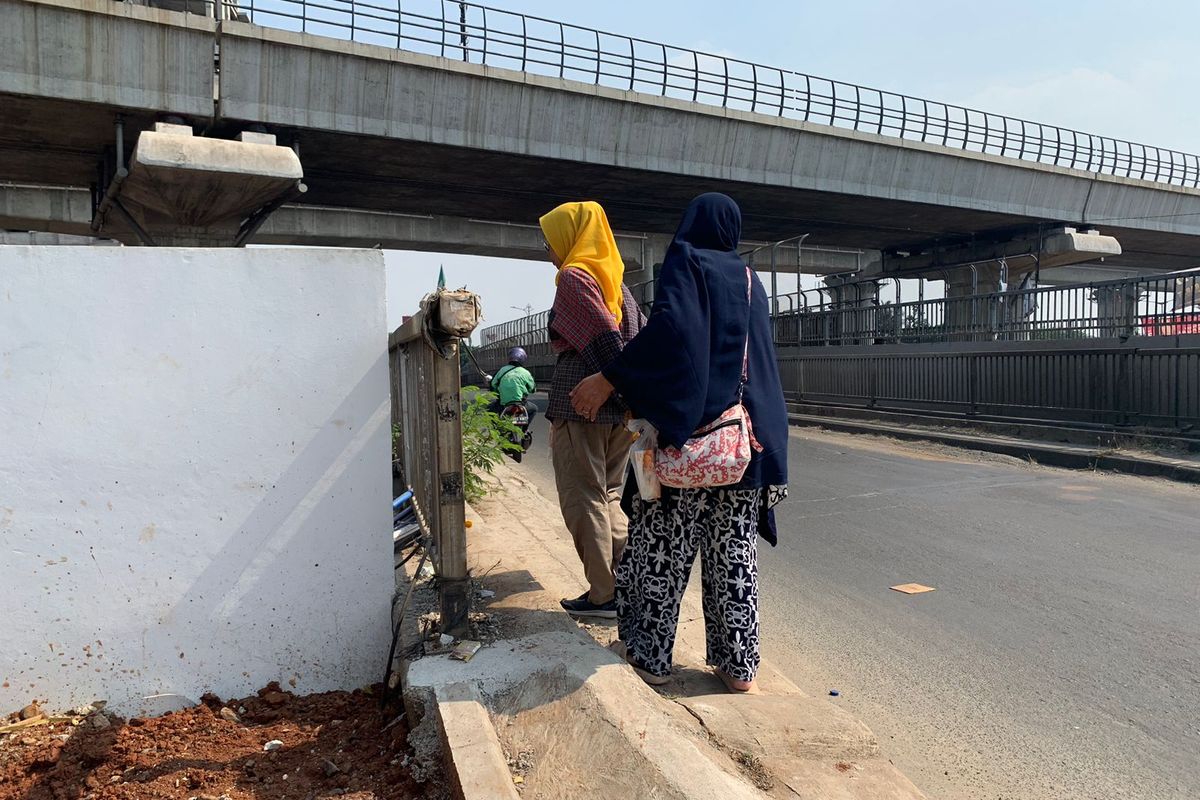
(574, 721)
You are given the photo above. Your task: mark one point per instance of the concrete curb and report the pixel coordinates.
(1138, 440)
(596, 729)
(450, 724)
(1055, 455)
(474, 759)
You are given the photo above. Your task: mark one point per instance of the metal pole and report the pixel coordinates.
(120, 143)
(1003, 309)
(774, 286)
(974, 299)
(462, 31)
(898, 323)
(114, 186)
(454, 579)
(800, 242)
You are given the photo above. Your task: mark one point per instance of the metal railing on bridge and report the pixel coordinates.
(1109, 353)
(494, 37)
(1158, 305)
(853, 313)
(532, 333)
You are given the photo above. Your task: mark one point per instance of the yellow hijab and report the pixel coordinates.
(581, 238)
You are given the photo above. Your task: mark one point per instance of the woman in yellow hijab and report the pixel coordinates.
(579, 237)
(594, 315)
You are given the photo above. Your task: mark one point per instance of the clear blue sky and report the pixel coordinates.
(1128, 70)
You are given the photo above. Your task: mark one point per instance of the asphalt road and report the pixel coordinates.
(1059, 656)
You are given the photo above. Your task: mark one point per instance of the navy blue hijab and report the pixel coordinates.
(683, 369)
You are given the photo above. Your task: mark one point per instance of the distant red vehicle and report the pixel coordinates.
(1176, 324)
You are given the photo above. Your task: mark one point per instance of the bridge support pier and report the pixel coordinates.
(1117, 310)
(964, 315)
(845, 292)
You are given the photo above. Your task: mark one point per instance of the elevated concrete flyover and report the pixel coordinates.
(385, 129)
(66, 211)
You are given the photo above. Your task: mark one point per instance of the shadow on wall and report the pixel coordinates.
(261, 580)
(199, 444)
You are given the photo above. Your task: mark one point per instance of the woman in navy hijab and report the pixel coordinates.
(681, 372)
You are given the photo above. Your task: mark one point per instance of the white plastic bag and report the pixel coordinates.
(641, 458)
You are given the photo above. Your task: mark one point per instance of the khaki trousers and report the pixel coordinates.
(589, 470)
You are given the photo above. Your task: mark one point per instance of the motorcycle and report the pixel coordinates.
(518, 415)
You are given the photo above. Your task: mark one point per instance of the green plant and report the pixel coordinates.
(917, 322)
(917, 327)
(486, 438)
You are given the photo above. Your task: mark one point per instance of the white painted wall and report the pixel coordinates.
(194, 473)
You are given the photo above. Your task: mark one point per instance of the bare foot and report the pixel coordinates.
(736, 686)
(618, 647)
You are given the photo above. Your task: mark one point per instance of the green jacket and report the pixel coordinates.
(513, 384)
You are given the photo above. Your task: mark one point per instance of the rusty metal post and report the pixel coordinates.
(427, 407)
(454, 586)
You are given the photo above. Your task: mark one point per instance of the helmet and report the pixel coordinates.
(518, 355)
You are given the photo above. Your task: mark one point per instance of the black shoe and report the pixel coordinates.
(582, 607)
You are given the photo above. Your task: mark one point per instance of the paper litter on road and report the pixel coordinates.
(912, 588)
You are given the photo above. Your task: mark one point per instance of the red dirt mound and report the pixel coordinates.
(336, 744)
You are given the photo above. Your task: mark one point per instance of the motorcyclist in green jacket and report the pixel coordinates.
(513, 383)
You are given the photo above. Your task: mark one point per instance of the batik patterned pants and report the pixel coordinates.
(664, 537)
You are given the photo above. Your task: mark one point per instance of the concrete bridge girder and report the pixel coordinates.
(465, 141)
(827, 175)
(66, 211)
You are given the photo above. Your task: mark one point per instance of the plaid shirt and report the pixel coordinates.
(586, 338)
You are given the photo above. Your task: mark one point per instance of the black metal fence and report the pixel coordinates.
(1150, 382)
(483, 35)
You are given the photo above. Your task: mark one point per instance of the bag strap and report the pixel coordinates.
(746, 346)
(500, 373)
